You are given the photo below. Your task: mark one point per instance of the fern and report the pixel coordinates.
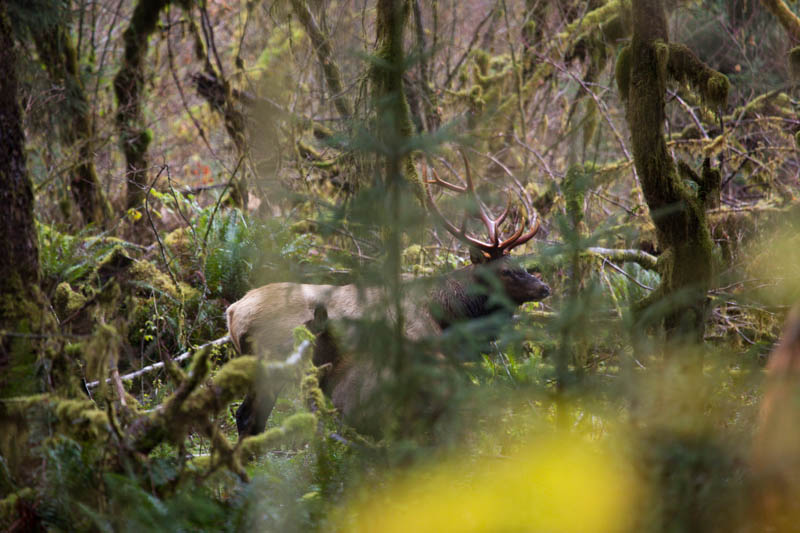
(70, 258)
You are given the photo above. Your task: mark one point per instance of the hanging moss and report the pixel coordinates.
(712, 86)
(794, 62)
(481, 59)
(617, 28)
(80, 417)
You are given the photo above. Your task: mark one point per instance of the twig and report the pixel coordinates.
(156, 366)
(689, 110)
(618, 269)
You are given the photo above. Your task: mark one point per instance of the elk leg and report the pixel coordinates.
(252, 414)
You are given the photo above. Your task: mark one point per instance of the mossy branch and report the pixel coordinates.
(298, 426)
(622, 255)
(786, 17)
(322, 46)
(609, 18)
(684, 65)
(191, 404)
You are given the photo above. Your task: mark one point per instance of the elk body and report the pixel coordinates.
(262, 321)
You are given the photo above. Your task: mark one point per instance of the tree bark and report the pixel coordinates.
(21, 307)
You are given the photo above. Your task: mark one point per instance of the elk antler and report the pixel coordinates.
(494, 248)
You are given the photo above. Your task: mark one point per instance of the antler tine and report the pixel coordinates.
(518, 239)
(496, 247)
(460, 234)
(446, 184)
(490, 223)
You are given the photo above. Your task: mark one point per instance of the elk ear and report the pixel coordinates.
(478, 257)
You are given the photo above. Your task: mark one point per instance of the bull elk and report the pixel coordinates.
(262, 321)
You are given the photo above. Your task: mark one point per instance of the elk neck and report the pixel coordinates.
(461, 295)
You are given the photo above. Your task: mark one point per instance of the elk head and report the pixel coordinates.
(492, 254)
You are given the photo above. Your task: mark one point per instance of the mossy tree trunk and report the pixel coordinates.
(394, 123)
(394, 130)
(57, 51)
(21, 303)
(686, 263)
(129, 87)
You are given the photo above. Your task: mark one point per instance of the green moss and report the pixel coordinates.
(113, 264)
(66, 301)
(712, 86)
(24, 311)
(104, 344)
(82, 416)
(603, 15)
(181, 244)
(238, 375)
(575, 185)
(8, 505)
(716, 92)
(300, 426)
(148, 275)
(481, 59)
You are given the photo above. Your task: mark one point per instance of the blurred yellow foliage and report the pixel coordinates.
(556, 486)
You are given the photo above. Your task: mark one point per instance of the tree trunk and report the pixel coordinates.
(388, 94)
(677, 212)
(21, 304)
(128, 87)
(57, 51)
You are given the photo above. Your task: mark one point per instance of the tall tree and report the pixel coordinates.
(129, 87)
(678, 212)
(21, 304)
